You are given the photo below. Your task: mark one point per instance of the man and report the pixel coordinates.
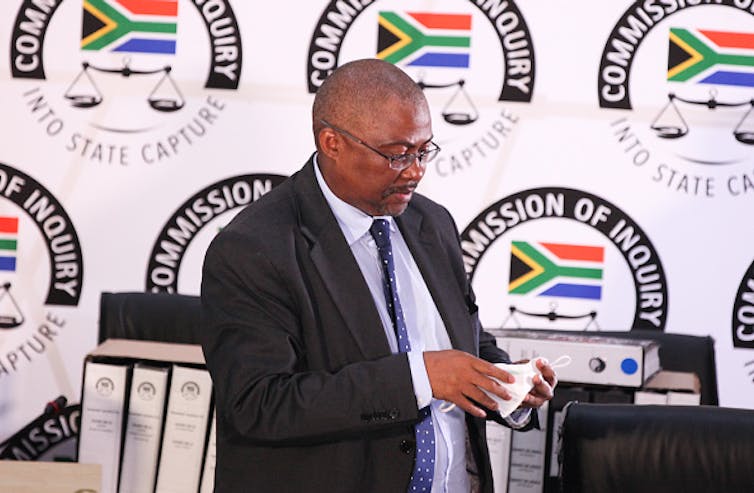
(332, 347)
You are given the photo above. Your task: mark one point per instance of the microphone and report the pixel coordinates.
(56, 405)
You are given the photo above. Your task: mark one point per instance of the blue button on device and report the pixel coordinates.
(629, 366)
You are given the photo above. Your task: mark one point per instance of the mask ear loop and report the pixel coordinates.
(560, 362)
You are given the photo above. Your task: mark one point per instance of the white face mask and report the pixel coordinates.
(524, 381)
(524, 374)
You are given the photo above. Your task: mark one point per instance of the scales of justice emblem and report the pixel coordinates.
(10, 313)
(84, 92)
(709, 57)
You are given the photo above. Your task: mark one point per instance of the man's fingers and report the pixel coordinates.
(541, 389)
(548, 373)
(490, 385)
(466, 380)
(469, 407)
(490, 369)
(475, 393)
(463, 402)
(531, 401)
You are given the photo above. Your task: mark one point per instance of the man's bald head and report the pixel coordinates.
(355, 94)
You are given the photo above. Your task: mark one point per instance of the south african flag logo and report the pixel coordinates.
(556, 269)
(133, 26)
(711, 57)
(424, 39)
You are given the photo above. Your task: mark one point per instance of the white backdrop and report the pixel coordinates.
(558, 149)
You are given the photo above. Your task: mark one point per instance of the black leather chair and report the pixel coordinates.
(620, 448)
(159, 317)
(678, 352)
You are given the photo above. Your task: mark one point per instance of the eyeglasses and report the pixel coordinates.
(398, 162)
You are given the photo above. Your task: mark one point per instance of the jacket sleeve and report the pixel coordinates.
(257, 353)
(488, 349)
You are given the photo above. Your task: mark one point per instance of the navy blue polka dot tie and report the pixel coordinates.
(421, 477)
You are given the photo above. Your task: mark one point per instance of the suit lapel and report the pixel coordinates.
(331, 255)
(434, 265)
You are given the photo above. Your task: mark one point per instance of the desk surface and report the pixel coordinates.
(49, 477)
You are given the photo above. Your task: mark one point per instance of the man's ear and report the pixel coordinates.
(330, 143)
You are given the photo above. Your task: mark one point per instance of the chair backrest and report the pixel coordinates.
(685, 449)
(150, 316)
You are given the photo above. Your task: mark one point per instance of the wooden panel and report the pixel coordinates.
(49, 477)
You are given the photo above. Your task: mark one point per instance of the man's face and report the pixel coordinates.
(363, 178)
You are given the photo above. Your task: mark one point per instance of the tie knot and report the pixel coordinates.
(380, 231)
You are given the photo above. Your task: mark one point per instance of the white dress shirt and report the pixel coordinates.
(426, 332)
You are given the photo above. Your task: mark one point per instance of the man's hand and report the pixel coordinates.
(458, 377)
(544, 386)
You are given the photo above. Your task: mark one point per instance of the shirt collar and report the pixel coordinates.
(354, 222)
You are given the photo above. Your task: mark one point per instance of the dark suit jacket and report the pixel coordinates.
(308, 394)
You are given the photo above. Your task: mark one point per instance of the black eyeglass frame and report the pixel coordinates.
(398, 162)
